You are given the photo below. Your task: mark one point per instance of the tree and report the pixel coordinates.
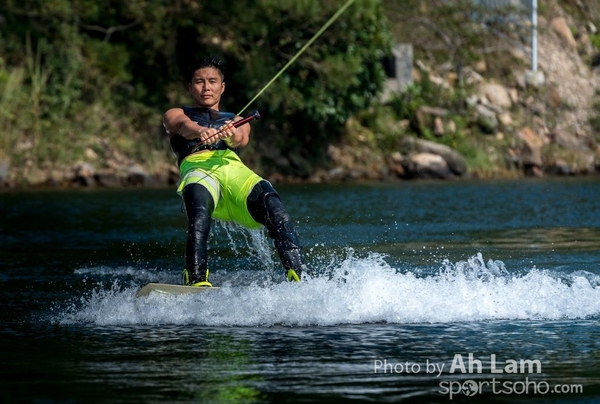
(100, 69)
(306, 107)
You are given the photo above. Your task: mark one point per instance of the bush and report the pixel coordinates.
(73, 73)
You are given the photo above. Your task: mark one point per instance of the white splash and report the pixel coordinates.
(355, 291)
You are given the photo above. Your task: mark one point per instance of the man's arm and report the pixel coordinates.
(234, 137)
(176, 121)
(241, 138)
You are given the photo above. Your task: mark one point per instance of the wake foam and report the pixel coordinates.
(355, 291)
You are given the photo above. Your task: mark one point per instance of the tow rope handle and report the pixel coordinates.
(254, 115)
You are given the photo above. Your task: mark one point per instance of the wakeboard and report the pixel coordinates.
(169, 289)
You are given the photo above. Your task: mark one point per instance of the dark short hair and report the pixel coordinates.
(213, 62)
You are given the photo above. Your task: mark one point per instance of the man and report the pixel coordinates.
(214, 181)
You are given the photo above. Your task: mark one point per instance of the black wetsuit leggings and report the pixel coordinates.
(199, 205)
(264, 206)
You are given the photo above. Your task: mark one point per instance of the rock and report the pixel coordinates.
(276, 177)
(4, 168)
(90, 154)
(56, 178)
(138, 176)
(438, 81)
(336, 173)
(355, 163)
(173, 175)
(561, 167)
(108, 178)
(438, 127)
(23, 145)
(341, 156)
(480, 66)
(534, 171)
(84, 174)
(301, 165)
(520, 81)
(394, 161)
(486, 119)
(471, 101)
(454, 161)
(471, 76)
(530, 152)
(535, 79)
(561, 27)
(553, 97)
(36, 177)
(403, 124)
(565, 139)
(396, 157)
(586, 47)
(429, 118)
(513, 93)
(422, 66)
(451, 126)
(452, 78)
(427, 166)
(519, 54)
(496, 94)
(505, 119)
(435, 111)
(356, 174)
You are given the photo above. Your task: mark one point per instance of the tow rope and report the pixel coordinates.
(292, 60)
(255, 114)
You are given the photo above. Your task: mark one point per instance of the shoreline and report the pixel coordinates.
(143, 180)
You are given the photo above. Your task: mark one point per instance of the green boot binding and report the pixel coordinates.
(293, 275)
(203, 283)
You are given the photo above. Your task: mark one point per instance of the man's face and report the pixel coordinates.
(206, 88)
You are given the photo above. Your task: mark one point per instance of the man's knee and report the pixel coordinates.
(266, 208)
(257, 201)
(197, 198)
(198, 201)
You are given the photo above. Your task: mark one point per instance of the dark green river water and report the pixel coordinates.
(423, 292)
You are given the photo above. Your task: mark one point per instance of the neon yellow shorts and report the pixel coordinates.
(227, 179)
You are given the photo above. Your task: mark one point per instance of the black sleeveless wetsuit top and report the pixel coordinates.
(209, 118)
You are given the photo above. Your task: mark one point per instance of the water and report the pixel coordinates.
(424, 292)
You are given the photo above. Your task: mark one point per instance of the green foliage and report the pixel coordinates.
(383, 129)
(78, 73)
(406, 103)
(595, 39)
(338, 75)
(595, 118)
